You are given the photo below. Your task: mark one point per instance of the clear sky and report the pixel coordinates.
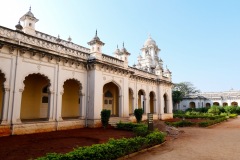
(199, 39)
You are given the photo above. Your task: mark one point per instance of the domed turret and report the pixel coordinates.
(29, 22)
(149, 42)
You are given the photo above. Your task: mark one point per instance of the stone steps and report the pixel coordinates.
(114, 120)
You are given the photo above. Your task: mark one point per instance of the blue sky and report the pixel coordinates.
(199, 39)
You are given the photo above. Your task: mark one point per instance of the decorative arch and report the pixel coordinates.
(78, 82)
(208, 104)
(114, 82)
(165, 100)
(34, 104)
(235, 104)
(112, 102)
(225, 104)
(215, 103)
(142, 99)
(152, 102)
(131, 101)
(71, 99)
(192, 105)
(32, 73)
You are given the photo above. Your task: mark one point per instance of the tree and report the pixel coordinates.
(182, 89)
(185, 88)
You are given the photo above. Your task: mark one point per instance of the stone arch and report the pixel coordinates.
(112, 103)
(71, 99)
(142, 99)
(131, 100)
(165, 100)
(39, 73)
(208, 104)
(215, 103)
(235, 104)
(2, 81)
(33, 105)
(78, 82)
(152, 102)
(192, 105)
(114, 82)
(225, 104)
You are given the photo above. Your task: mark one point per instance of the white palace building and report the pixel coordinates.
(208, 99)
(51, 84)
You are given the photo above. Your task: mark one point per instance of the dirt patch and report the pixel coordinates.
(24, 147)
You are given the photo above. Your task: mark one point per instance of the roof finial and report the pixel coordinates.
(123, 44)
(117, 46)
(96, 33)
(30, 8)
(149, 35)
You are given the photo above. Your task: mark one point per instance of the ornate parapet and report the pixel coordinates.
(45, 42)
(112, 60)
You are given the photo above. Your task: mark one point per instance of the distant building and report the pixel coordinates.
(53, 84)
(208, 99)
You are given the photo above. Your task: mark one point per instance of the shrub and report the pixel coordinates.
(211, 122)
(105, 115)
(233, 116)
(113, 149)
(128, 126)
(214, 110)
(141, 131)
(238, 110)
(138, 114)
(180, 123)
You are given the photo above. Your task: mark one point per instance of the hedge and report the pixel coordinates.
(180, 123)
(211, 122)
(113, 149)
(129, 126)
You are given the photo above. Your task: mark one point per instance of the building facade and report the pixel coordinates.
(53, 84)
(208, 99)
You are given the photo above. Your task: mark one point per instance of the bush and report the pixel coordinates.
(105, 115)
(141, 130)
(128, 126)
(214, 110)
(138, 114)
(211, 122)
(233, 116)
(113, 149)
(238, 110)
(180, 123)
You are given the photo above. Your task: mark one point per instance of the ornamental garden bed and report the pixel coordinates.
(24, 147)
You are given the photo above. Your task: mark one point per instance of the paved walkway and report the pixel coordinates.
(219, 142)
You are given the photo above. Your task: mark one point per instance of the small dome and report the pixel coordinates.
(30, 14)
(19, 26)
(149, 42)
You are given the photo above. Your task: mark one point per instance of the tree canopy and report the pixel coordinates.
(181, 90)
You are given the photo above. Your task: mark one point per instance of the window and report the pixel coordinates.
(44, 99)
(30, 24)
(106, 102)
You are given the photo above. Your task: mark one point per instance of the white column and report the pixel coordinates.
(147, 104)
(154, 106)
(59, 106)
(170, 104)
(17, 106)
(5, 105)
(82, 105)
(51, 105)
